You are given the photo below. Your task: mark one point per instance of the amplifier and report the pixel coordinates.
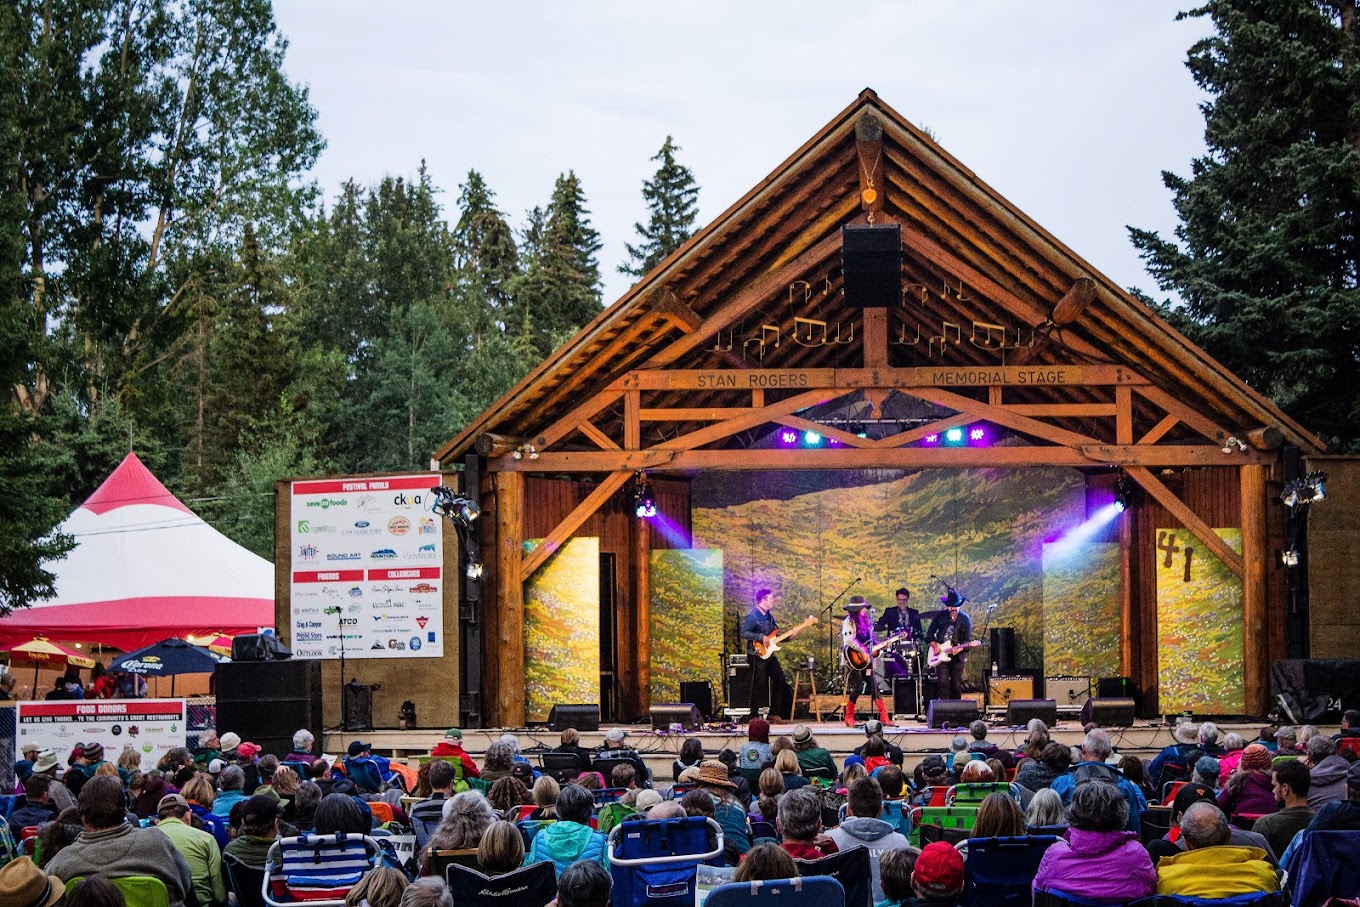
(1003, 688)
(1068, 692)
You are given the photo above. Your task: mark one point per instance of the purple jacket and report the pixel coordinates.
(1098, 864)
(1251, 793)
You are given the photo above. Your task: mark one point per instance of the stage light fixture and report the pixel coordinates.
(976, 434)
(811, 438)
(474, 570)
(788, 437)
(1310, 489)
(1289, 557)
(930, 440)
(1234, 444)
(1316, 483)
(644, 503)
(953, 436)
(1124, 491)
(462, 511)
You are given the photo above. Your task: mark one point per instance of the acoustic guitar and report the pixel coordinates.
(941, 654)
(770, 644)
(857, 658)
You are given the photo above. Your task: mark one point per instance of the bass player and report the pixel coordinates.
(758, 627)
(951, 631)
(857, 633)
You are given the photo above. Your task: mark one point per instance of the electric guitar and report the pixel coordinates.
(770, 644)
(857, 658)
(940, 654)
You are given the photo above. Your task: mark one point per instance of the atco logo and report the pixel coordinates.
(309, 625)
(308, 637)
(343, 556)
(383, 554)
(398, 525)
(356, 592)
(328, 503)
(421, 622)
(415, 643)
(424, 589)
(308, 552)
(349, 621)
(427, 526)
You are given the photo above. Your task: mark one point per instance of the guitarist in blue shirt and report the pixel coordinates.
(758, 627)
(950, 630)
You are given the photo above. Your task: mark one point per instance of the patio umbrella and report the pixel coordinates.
(42, 651)
(167, 658)
(214, 642)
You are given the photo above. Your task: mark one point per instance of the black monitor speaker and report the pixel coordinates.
(583, 717)
(267, 701)
(871, 259)
(1109, 712)
(1022, 711)
(951, 712)
(685, 714)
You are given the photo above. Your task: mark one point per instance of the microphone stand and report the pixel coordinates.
(831, 629)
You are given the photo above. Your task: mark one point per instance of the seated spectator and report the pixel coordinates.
(36, 807)
(668, 809)
(591, 781)
(1210, 866)
(863, 826)
(208, 749)
(786, 763)
(874, 754)
(1338, 815)
(259, 831)
(998, 817)
(893, 782)
(584, 884)
(23, 884)
(149, 794)
(894, 873)
(699, 803)
(545, 798)
(507, 796)
(304, 806)
(742, 790)
(800, 824)
(199, 849)
(200, 795)
(571, 743)
(112, 847)
(1045, 810)
(570, 838)
(1290, 786)
(959, 756)
(1172, 764)
(980, 744)
(614, 749)
(854, 770)
(1036, 738)
(1233, 745)
(1349, 738)
(95, 891)
(426, 815)
(497, 762)
(764, 863)
(930, 773)
(754, 756)
(1250, 788)
(46, 764)
(363, 768)
(1132, 768)
(1287, 743)
(1095, 749)
(58, 833)
(381, 886)
(427, 892)
(451, 749)
(268, 766)
(937, 877)
(874, 728)
(1327, 772)
(303, 741)
(231, 791)
(339, 813)
(623, 777)
(813, 759)
(467, 816)
(766, 807)
(1097, 858)
(1208, 740)
(1206, 772)
(977, 772)
(691, 754)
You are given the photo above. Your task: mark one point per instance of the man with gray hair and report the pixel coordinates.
(1093, 769)
(800, 822)
(1211, 867)
(1326, 771)
(427, 892)
(614, 748)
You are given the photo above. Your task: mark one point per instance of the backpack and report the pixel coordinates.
(612, 814)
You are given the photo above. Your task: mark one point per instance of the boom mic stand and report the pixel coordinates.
(831, 629)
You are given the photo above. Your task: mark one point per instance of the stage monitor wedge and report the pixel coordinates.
(1108, 712)
(583, 717)
(685, 714)
(951, 713)
(1020, 712)
(871, 260)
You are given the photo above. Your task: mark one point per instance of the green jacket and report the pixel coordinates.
(199, 849)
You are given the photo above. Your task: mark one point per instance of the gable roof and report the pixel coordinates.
(971, 258)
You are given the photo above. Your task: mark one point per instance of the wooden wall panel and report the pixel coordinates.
(1333, 568)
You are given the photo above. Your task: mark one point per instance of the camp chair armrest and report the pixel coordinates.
(652, 861)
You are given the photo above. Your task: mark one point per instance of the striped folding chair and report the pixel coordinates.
(319, 869)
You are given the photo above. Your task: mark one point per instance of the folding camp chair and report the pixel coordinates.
(561, 767)
(608, 795)
(1058, 899)
(955, 817)
(817, 891)
(441, 860)
(1325, 863)
(244, 880)
(534, 885)
(1000, 871)
(653, 861)
(317, 868)
(850, 868)
(974, 794)
(138, 891)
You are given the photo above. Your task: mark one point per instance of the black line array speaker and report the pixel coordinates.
(267, 701)
(685, 714)
(1109, 712)
(699, 692)
(951, 712)
(871, 259)
(583, 717)
(1022, 711)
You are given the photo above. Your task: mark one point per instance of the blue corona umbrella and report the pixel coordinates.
(167, 658)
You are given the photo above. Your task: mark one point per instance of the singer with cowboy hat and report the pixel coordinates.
(857, 646)
(951, 630)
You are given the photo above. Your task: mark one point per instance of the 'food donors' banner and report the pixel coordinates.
(151, 727)
(367, 568)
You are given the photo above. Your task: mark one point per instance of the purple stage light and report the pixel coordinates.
(977, 436)
(788, 437)
(931, 440)
(1083, 532)
(671, 530)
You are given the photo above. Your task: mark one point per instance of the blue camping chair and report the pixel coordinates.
(653, 861)
(850, 868)
(1001, 871)
(534, 885)
(1325, 864)
(801, 892)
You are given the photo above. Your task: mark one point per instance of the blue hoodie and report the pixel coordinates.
(564, 843)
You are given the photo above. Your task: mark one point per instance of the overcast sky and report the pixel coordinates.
(1069, 109)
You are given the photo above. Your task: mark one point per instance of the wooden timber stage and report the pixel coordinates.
(659, 749)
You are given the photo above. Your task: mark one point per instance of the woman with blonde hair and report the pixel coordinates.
(766, 806)
(501, 849)
(107, 770)
(786, 763)
(546, 790)
(381, 886)
(997, 817)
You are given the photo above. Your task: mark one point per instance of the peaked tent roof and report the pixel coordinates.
(972, 256)
(146, 567)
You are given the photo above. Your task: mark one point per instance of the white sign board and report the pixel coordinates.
(367, 568)
(152, 727)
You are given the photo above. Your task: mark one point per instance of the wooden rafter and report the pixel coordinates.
(1159, 430)
(572, 420)
(1002, 416)
(1190, 417)
(826, 431)
(563, 530)
(902, 438)
(602, 440)
(666, 304)
(1189, 519)
(750, 419)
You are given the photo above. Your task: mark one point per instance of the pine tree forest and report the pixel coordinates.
(173, 280)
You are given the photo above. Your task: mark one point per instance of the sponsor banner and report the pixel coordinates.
(150, 727)
(369, 556)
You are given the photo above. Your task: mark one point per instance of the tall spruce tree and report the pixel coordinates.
(484, 247)
(672, 198)
(560, 289)
(1267, 253)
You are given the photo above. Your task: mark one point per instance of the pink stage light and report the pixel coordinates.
(788, 437)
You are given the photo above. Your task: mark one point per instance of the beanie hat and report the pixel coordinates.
(939, 870)
(1207, 766)
(1255, 758)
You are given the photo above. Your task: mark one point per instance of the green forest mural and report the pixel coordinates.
(1199, 625)
(1081, 610)
(809, 535)
(687, 607)
(562, 628)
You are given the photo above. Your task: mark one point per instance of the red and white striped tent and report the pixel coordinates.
(146, 567)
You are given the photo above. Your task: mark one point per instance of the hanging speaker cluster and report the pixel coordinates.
(871, 261)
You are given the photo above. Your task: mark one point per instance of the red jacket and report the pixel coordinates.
(806, 850)
(444, 749)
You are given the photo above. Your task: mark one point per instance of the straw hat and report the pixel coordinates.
(23, 883)
(715, 774)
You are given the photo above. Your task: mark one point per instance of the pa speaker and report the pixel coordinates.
(267, 701)
(871, 259)
(699, 692)
(1002, 642)
(685, 714)
(951, 713)
(1108, 712)
(739, 688)
(581, 717)
(1022, 711)
(259, 647)
(1116, 688)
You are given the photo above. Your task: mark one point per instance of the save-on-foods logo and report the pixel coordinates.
(384, 554)
(328, 503)
(424, 589)
(398, 525)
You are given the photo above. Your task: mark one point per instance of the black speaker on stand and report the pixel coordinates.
(267, 701)
(582, 717)
(699, 692)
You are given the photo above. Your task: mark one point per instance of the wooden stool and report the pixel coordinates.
(799, 675)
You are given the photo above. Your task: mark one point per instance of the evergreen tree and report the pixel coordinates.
(672, 198)
(484, 248)
(560, 290)
(1267, 253)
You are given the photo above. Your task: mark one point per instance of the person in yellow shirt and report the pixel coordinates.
(1210, 867)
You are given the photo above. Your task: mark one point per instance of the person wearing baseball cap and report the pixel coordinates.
(451, 749)
(259, 830)
(938, 876)
(199, 849)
